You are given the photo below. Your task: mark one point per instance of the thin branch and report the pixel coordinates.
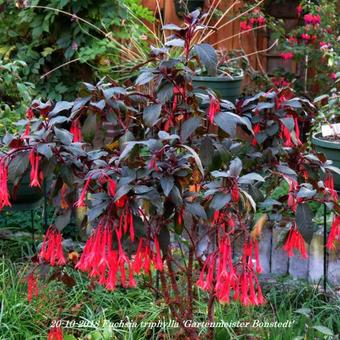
(231, 21)
(60, 66)
(256, 52)
(238, 34)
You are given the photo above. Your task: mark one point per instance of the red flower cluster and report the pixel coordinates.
(55, 333)
(100, 260)
(329, 186)
(287, 55)
(252, 22)
(299, 10)
(214, 107)
(36, 175)
(146, 255)
(32, 287)
(4, 194)
(334, 234)
(240, 278)
(280, 82)
(295, 241)
(311, 19)
(52, 248)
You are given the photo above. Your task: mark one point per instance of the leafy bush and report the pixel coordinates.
(88, 35)
(15, 94)
(178, 188)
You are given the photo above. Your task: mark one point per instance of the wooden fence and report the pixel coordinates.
(275, 260)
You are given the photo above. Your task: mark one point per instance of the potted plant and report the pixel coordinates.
(225, 81)
(166, 183)
(328, 140)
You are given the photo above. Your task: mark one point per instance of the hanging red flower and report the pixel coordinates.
(334, 234)
(295, 241)
(76, 131)
(52, 248)
(55, 333)
(4, 194)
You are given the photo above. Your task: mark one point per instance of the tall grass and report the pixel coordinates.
(313, 315)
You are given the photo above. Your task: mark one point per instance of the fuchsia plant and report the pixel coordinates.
(181, 184)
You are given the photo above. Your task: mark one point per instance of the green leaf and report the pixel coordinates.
(249, 178)
(151, 114)
(196, 158)
(219, 201)
(289, 123)
(304, 311)
(304, 221)
(17, 167)
(46, 149)
(196, 209)
(235, 167)
(63, 135)
(60, 106)
(63, 220)
(144, 78)
(208, 58)
(167, 184)
(164, 239)
(189, 127)
(324, 330)
(228, 122)
(124, 189)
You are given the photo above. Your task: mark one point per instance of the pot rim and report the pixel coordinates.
(217, 78)
(316, 140)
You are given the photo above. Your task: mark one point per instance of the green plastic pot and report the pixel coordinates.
(192, 5)
(25, 194)
(331, 150)
(227, 88)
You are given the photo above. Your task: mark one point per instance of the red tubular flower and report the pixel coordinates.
(214, 107)
(209, 267)
(334, 234)
(287, 55)
(111, 187)
(329, 186)
(4, 194)
(295, 241)
(52, 248)
(55, 333)
(235, 193)
(76, 131)
(225, 274)
(35, 174)
(157, 258)
(32, 287)
(81, 200)
(299, 10)
(285, 136)
(256, 129)
(245, 26)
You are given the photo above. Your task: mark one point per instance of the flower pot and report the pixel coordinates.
(331, 149)
(225, 87)
(191, 5)
(24, 193)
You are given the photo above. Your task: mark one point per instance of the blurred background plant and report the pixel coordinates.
(15, 93)
(87, 37)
